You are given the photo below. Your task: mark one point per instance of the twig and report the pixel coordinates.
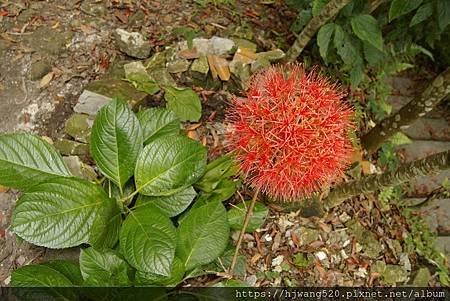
(248, 215)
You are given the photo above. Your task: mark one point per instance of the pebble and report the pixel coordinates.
(251, 280)
(267, 237)
(90, 103)
(20, 260)
(321, 255)
(277, 260)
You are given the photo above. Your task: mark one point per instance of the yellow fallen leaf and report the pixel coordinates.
(219, 67)
(368, 168)
(3, 189)
(46, 79)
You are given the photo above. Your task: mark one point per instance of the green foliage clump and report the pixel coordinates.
(146, 226)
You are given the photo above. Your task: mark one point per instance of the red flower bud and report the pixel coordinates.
(291, 133)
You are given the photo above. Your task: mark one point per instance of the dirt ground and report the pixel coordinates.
(50, 50)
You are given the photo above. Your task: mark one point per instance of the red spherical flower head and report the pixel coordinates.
(291, 133)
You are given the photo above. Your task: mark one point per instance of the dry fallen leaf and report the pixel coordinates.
(3, 189)
(189, 53)
(46, 79)
(368, 168)
(219, 67)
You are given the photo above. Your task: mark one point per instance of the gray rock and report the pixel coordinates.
(394, 274)
(80, 169)
(39, 69)
(157, 61)
(215, 45)
(245, 44)
(221, 46)
(134, 67)
(68, 147)
(202, 45)
(240, 70)
(272, 56)
(78, 126)
(132, 43)
(90, 103)
(162, 77)
(178, 66)
(200, 66)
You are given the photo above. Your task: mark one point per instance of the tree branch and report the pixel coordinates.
(431, 164)
(328, 12)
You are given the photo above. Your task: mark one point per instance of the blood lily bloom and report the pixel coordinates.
(291, 133)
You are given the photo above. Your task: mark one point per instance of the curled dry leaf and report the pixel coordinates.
(46, 79)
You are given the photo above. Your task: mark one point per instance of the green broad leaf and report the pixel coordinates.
(150, 279)
(106, 226)
(143, 82)
(203, 235)
(443, 10)
(169, 165)
(356, 75)
(114, 192)
(171, 205)
(402, 7)
(58, 213)
(158, 122)
(184, 102)
(148, 241)
(419, 49)
(399, 139)
(224, 190)
(116, 141)
(39, 276)
(344, 46)
(367, 29)
(424, 12)
(26, 160)
(372, 55)
(302, 19)
(103, 268)
(221, 168)
(223, 263)
(236, 216)
(317, 6)
(324, 37)
(69, 269)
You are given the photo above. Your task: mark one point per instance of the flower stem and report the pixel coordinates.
(248, 215)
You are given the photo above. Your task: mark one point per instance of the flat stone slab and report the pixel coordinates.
(420, 149)
(429, 129)
(90, 103)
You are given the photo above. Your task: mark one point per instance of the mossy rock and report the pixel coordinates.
(117, 88)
